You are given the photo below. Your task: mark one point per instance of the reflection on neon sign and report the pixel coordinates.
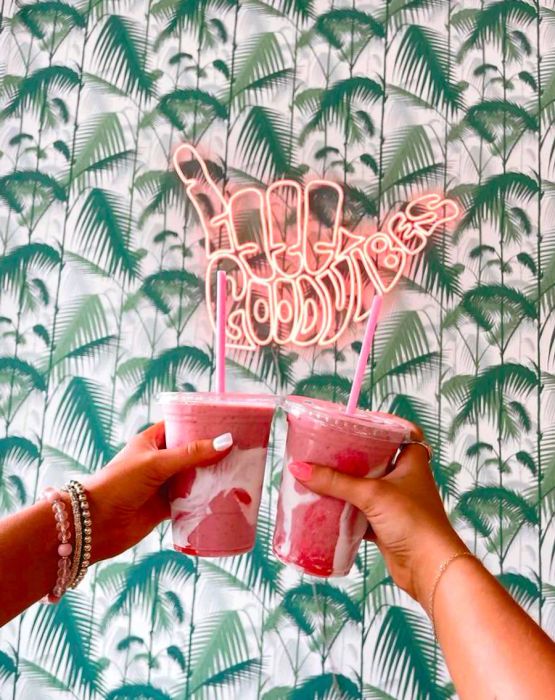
(295, 274)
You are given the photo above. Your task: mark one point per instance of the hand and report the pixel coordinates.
(128, 496)
(299, 269)
(405, 514)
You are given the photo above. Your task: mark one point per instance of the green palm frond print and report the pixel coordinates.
(102, 306)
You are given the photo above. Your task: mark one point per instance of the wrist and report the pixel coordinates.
(104, 521)
(435, 551)
(98, 518)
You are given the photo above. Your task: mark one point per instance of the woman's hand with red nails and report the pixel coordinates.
(493, 648)
(128, 497)
(405, 513)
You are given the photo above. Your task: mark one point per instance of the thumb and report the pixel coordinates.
(198, 453)
(329, 482)
(188, 162)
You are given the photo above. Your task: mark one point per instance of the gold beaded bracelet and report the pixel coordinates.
(78, 548)
(87, 532)
(83, 532)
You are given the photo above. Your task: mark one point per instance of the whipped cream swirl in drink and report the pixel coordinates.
(214, 509)
(320, 535)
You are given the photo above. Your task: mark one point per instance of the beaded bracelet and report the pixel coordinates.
(77, 492)
(54, 497)
(78, 550)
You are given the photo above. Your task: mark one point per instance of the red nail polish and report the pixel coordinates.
(301, 470)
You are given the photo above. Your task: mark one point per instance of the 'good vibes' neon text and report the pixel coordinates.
(295, 275)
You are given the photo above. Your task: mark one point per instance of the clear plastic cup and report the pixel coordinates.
(214, 509)
(320, 535)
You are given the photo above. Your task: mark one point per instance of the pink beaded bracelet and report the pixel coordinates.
(54, 497)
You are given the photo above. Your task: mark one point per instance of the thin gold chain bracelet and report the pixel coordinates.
(442, 569)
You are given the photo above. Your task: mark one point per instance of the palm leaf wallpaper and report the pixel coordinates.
(102, 306)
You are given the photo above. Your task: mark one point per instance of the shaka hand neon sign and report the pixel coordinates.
(295, 278)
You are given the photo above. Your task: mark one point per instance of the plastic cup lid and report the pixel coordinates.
(334, 415)
(190, 398)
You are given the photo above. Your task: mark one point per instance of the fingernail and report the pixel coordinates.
(301, 470)
(222, 442)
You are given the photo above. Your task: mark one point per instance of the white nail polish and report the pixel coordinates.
(222, 442)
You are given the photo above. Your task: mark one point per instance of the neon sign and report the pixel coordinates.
(295, 274)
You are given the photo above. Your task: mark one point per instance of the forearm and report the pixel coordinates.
(126, 500)
(493, 649)
(28, 557)
(29, 550)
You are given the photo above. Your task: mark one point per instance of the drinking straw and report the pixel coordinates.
(221, 299)
(364, 352)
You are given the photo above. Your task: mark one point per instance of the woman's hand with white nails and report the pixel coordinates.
(128, 497)
(223, 442)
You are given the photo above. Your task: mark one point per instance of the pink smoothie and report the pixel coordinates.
(318, 534)
(214, 509)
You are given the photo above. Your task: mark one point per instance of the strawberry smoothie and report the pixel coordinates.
(214, 509)
(320, 535)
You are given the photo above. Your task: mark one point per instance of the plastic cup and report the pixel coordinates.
(214, 509)
(320, 535)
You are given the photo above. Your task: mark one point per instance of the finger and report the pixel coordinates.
(206, 197)
(155, 435)
(329, 482)
(320, 235)
(152, 438)
(285, 224)
(189, 165)
(198, 453)
(414, 459)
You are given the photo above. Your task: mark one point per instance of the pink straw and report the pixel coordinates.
(221, 300)
(364, 352)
